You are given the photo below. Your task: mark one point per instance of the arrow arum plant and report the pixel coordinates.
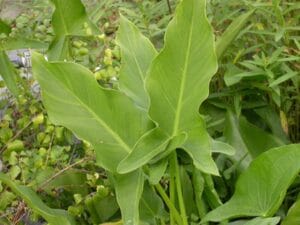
(118, 127)
(148, 134)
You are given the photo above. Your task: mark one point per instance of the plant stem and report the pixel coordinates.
(179, 190)
(170, 205)
(172, 188)
(169, 6)
(211, 193)
(198, 183)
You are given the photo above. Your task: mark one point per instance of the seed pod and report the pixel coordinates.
(16, 146)
(77, 44)
(83, 51)
(39, 119)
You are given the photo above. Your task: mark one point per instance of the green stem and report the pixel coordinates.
(172, 188)
(170, 205)
(179, 190)
(198, 183)
(211, 193)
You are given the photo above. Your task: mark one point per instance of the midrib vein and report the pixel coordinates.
(140, 72)
(95, 116)
(183, 81)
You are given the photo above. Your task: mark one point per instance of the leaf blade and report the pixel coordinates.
(77, 108)
(137, 53)
(184, 66)
(261, 188)
(8, 73)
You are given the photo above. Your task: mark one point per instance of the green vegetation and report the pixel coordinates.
(151, 112)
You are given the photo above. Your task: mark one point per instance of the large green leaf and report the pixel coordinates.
(129, 189)
(151, 205)
(100, 208)
(293, 216)
(178, 80)
(151, 144)
(8, 73)
(106, 118)
(52, 216)
(248, 140)
(261, 189)
(137, 54)
(69, 19)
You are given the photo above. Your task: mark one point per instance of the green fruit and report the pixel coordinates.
(40, 137)
(46, 22)
(4, 124)
(39, 119)
(108, 53)
(85, 25)
(46, 140)
(5, 134)
(116, 53)
(59, 133)
(98, 75)
(106, 25)
(42, 151)
(77, 44)
(86, 145)
(22, 100)
(16, 145)
(107, 61)
(50, 30)
(101, 37)
(42, 28)
(88, 31)
(83, 51)
(102, 191)
(78, 198)
(75, 210)
(49, 129)
(38, 35)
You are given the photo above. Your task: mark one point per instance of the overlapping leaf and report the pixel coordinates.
(178, 81)
(129, 189)
(105, 118)
(137, 55)
(68, 19)
(293, 216)
(248, 140)
(261, 189)
(8, 73)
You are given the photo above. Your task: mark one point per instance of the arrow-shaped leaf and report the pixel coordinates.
(129, 189)
(106, 118)
(68, 19)
(137, 54)
(261, 189)
(179, 79)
